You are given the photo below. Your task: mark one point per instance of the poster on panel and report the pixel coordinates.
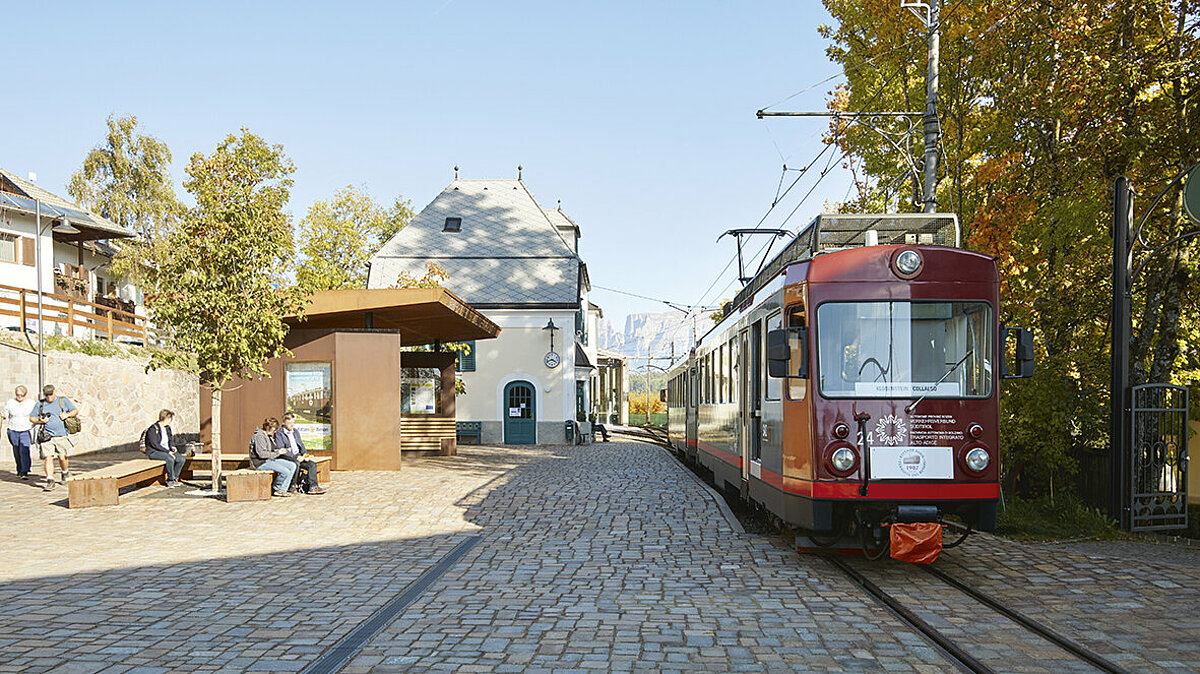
(310, 398)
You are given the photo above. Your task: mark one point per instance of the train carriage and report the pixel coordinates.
(854, 380)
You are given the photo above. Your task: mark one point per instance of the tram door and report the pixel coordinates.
(754, 396)
(745, 372)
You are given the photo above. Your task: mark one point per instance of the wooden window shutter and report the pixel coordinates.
(27, 252)
(466, 358)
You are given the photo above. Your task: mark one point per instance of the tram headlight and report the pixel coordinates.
(977, 459)
(908, 262)
(843, 459)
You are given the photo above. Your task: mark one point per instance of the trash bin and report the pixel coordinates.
(570, 430)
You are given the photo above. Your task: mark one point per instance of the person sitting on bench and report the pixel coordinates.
(287, 439)
(159, 439)
(265, 456)
(598, 427)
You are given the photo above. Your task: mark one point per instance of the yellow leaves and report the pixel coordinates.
(434, 276)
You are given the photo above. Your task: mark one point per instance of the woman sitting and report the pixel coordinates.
(264, 455)
(159, 439)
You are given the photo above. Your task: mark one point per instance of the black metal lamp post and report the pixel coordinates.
(1125, 240)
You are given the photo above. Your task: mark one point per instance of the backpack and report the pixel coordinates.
(142, 441)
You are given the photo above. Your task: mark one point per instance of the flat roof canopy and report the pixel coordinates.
(420, 315)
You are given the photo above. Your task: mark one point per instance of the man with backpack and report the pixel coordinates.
(52, 436)
(287, 438)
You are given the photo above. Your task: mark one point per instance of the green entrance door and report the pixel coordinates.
(520, 418)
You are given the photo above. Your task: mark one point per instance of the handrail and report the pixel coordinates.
(75, 313)
(68, 298)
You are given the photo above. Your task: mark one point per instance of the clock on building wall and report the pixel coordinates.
(552, 360)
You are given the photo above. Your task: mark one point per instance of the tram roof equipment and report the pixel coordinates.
(831, 232)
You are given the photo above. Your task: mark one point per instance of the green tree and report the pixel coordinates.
(340, 235)
(1042, 106)
(223, 292)
(127, 180)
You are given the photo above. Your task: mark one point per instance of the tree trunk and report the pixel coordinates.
(215, 457)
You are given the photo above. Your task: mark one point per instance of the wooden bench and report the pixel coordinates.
(102, 486)
(470, 429)
(241, 461)
(248, 485)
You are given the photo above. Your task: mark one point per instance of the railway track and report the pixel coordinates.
(954, 650)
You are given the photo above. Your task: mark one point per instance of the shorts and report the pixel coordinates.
(59, 445)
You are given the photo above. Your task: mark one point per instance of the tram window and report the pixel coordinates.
(774, 387)
(722, 360)
(905, 349)
(796, 318)
(731, 372)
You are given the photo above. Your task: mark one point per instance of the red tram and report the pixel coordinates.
(854, 381)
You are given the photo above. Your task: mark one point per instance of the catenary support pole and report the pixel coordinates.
(1119, 459)
(933, 129)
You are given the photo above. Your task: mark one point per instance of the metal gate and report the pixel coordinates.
(1159, 428)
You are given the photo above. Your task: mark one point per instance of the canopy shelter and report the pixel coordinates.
(357, 394)
(419, 315)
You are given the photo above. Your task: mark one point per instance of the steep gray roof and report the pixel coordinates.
(24, 193)
(508, 251)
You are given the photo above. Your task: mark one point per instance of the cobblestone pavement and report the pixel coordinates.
(605, 557)
(165, 582)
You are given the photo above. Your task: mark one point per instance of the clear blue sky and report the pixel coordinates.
(638, 116)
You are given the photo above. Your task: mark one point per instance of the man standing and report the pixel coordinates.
(287, 439)
(51, 413)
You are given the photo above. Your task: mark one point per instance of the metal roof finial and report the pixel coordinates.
(560, 204)
(456, 171)
(519, 167)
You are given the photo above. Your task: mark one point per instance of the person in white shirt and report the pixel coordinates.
(20, 429)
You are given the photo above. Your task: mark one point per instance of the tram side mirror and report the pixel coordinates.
(1023, 361)
(779, 352)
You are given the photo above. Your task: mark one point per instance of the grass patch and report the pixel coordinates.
(169, 358)
(1064, 518)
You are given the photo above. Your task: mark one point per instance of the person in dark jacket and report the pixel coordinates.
(264, 455)
(160, 446)
(287, 439)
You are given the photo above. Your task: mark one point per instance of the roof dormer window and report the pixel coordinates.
(453, 225)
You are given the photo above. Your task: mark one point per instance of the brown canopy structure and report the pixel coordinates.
(420, 315)
(358, 395)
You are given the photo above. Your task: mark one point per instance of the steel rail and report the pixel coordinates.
(1028, 623)
(943, 643)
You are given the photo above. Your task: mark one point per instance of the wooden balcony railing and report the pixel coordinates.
(79, 317)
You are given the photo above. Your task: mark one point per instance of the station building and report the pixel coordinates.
(518, 264)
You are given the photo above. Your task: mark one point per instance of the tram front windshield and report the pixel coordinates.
(904, 349)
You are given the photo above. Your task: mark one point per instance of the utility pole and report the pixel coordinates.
(933, 127)
(1121, 332)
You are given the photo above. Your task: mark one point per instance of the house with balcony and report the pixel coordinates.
(50, 243)
(519, 264)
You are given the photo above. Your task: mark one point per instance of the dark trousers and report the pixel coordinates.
(309, 478)
(20, 441)
(174, 462)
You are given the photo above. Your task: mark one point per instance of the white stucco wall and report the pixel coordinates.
(517, 354)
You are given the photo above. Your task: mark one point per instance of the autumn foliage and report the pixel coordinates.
(1042, 106)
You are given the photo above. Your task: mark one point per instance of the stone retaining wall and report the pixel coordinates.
(117, 399)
